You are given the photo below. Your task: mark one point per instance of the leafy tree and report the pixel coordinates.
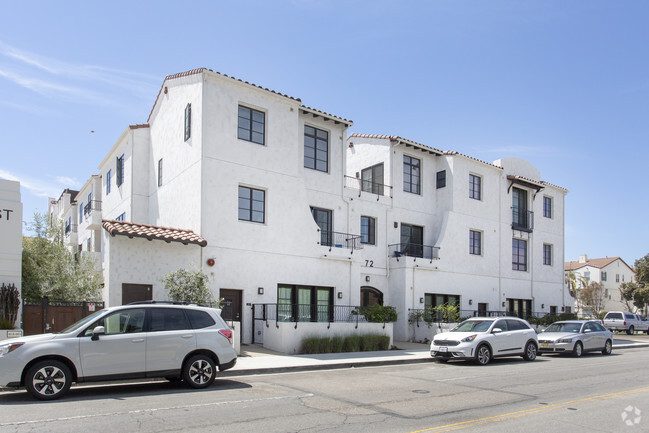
(592, 297)
(637, 293)
(575, 283)
(189, 286)
(50, 270)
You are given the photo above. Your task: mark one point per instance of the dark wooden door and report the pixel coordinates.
(136, 293)
(231, 304)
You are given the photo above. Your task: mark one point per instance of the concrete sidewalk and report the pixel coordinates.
(254, 359)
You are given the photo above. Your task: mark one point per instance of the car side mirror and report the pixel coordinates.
(586, 331)
(99, 330)
(496, 331)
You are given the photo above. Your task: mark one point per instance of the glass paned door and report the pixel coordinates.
(323, 304)
(304, 304)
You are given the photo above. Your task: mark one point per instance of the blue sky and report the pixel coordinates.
(562, 84)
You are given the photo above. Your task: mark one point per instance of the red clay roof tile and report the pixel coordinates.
(167, 234)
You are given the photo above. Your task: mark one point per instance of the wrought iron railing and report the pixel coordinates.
(308, 313)
(413, 250)
(340, 240)
(92, 205)
(70, 228)
(522, 219)
(369, 187)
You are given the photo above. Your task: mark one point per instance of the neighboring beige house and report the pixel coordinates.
(610, 272)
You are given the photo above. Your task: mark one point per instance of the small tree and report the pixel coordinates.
(188, 286)
(9, 304)
(592, 297)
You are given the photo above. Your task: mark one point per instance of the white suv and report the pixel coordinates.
(483, 338)
(139, 340)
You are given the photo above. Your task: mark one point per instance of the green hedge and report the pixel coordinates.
(350, 343)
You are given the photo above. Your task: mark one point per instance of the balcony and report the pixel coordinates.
(522, 220)
(368, 187)
(414, 250)
(92, 213)
(70, 233)
(340, 240)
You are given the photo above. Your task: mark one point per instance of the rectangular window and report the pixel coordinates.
(547, 207)
(89, 244)
(160, 172)
(475, 187)
(372, 179)
(108, 173)
(441, 179)
(434, 300)
(412, 240)
(521, 218)
(119, 169)
(411, 174)
(316, 149)
(304, 303)
(252, 125)
(323, 219)
(188, 121)
(617, 278)
(80, 212)
(252, 204)
(122, 217)
(603, 276)
(547, 254)
(475, 242)
(519, 255)
(368, 230)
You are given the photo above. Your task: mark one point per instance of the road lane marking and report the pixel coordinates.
(159, 409)
(525, 412)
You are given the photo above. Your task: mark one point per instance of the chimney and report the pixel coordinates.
(583, 258)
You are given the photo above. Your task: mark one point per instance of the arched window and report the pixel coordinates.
(371, 296)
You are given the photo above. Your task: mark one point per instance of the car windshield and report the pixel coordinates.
(473, 325)
(80, 323)
(563, 327)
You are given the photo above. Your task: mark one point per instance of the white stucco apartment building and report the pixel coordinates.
(11, 234)
(275, 202)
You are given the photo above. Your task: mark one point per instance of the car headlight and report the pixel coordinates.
(565, 340)
(6, 348)
(469, 338)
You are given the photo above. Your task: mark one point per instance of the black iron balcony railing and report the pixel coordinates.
(340, 240)
(308, 313)
(70, 228)
(366, 186)
(414, 250)
(522, 220)
(93, 205)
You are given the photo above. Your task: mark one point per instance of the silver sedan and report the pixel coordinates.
(576, 337)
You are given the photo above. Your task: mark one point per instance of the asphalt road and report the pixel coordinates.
(592, 394)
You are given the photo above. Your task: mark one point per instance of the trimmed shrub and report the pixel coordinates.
(352, 343)
(337, 344)
(324, 345)
(311, 345)
(379, 313)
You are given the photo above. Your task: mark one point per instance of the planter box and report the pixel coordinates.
(10, 333)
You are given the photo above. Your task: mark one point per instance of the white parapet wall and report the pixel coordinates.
(286, 337)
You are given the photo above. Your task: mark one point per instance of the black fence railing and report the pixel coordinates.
(522, 219)
(367, 186)
(340, 240)
(429, 315)
(93, 205)
(414, 250)
(307, 313)
(70, 228)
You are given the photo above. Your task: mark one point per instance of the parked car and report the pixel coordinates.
(483, 338)
(642, 323)
(576, 337)
(621, 321)
(139, 340)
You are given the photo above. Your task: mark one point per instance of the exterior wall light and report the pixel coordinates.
(421, 300)
(367, 278)
(340, 295)
(470, 301)
(260, 290)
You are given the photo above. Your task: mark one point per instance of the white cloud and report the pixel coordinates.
(42, 187)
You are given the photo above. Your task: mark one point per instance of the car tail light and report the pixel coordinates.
(625, 323)
(227, 333)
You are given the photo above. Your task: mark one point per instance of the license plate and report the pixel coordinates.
(443, 349)
(545, 345)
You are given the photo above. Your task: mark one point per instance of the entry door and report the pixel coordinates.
(136, 293)
(231, 305)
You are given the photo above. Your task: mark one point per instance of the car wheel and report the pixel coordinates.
(48, 380)
(608, 348)
(578, 350)
(630, 331)
(483, 355)
(530, 352)
(199, 371)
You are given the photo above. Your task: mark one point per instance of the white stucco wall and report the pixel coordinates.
(11, 233)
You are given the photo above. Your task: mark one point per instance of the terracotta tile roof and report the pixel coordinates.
(397, 139)
(167, 234)
(595, 263)
(139, 126)
(453, 153)
(314, 111)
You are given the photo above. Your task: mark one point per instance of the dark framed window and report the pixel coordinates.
(547, 207)
(316, 149)
(119, 170)
(475, 187)
(521, 218)
(252, 125)
(368, 230)
(188, 121)
(80, 212)
(433, 300)
(304, 303)
(547, 254)
(519, 255)
(371, 296)
(252, 204)
(411, 174)
(160, 172)
(372, 179)
(323, 218)
(441, 179)
(604, 276)
(108, 175)
(412, 240)
(475, 242)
